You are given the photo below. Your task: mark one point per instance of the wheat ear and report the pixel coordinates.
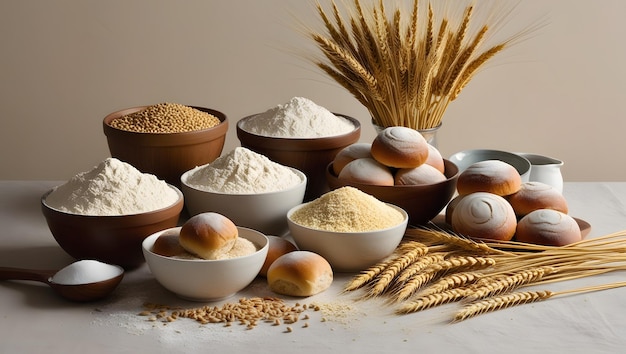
(490, 286)
(519, 298)
(396, 266)
(429, 301)
(451, 281)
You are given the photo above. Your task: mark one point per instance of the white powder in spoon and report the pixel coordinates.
(85, 272)
(298, 118)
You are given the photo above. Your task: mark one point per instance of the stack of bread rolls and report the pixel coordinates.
(397, 156)
(493, 203)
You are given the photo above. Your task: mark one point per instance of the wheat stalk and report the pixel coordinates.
(395, 266)
(519, 298)
(451, 281)
(403, 69)
(428, 301)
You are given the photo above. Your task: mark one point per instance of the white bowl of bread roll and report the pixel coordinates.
(208, 258)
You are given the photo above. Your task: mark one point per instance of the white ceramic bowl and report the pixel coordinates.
(206, 280)
(265, 212)
(349, 251)
(464, 159)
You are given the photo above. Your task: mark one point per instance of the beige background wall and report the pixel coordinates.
(66, 64)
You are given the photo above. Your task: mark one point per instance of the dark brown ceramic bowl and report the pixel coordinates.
(310, 156)
(166, 155)
(421, 202)
(109, 239)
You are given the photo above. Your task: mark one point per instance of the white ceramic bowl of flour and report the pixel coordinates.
(242, 199)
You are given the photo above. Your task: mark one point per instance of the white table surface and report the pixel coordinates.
(34, 319)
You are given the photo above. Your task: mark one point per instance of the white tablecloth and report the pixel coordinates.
(34, 319)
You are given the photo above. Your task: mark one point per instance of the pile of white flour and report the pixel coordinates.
(298, 118)
(242, 171)
(113, 187)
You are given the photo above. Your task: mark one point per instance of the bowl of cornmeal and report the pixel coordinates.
(350, 229)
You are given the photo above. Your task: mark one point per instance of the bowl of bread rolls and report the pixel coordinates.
(399, 167)
(493, 203)
(208, 258)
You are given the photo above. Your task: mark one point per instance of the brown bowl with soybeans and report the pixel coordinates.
(166, 139)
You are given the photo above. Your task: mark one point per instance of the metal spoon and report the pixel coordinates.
(74, 292)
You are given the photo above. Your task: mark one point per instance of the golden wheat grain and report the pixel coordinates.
(354, 70)
(490, 286)
(413, 284)
(451, 53)
(473, 67)
(501, 302)
(429, 301)
(418, 266)
(366, 276)
(395, 267)
(399, 55)
(430, 237)
(451, 281)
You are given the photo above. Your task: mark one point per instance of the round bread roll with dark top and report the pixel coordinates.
(423, 174)
(349, 154)
(367, 171)
(536, 195)
(400, 147)
(548, 227)
(277, 247)
(167, 245)
(300, 273)
(208, 235)
(435, 159)
(482, 215)
(492, 176)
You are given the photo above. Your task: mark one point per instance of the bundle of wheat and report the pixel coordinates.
(405, 71)
(434, 267)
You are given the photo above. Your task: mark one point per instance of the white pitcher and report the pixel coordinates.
(545, 169)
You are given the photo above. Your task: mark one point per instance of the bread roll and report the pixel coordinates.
(492, 176)
(367, 171)
(435, 159)
(277, 247)
(349, 154)
(400, 147)
(484, 215)
(548, 227)
(423, 174)
(167, 245)
(536, 195)
(208, 235)
(299, 273)
(450, 208)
